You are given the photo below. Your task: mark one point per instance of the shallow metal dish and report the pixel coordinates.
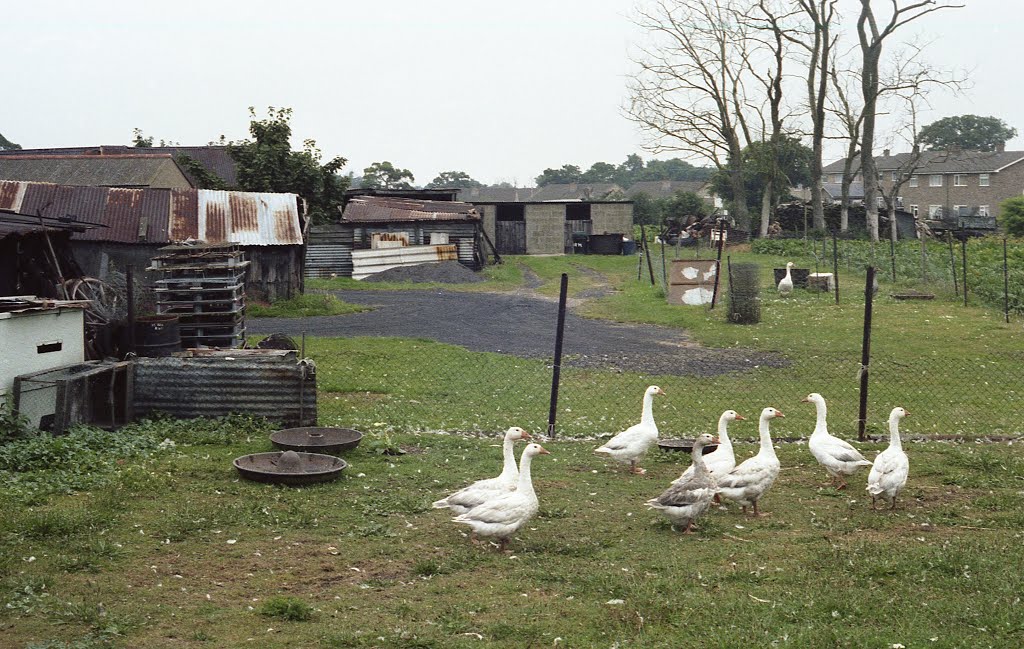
(683, 445)
(316, 440)
(312, 467)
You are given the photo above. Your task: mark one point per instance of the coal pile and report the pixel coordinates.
(445, 272)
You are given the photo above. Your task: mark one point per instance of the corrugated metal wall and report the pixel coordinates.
(278, 387)
(329, 251)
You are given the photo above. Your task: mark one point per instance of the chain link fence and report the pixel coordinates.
(383, 384)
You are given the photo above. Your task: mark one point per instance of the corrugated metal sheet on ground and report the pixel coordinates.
(275, 386)
(368, 262)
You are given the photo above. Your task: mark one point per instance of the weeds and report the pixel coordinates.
(292, 609)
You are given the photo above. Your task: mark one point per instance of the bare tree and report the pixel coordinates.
(690, 92)
(872, 37)
(850, 117)
(819, 45)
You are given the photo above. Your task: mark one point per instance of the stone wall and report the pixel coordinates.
(612, 218)
(545, 229)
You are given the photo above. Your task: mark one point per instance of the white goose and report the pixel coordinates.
(502, 516)
(722, 460)
(837, 456)
(690, 495)
(633, 442)
(786, 283)
(483, 490)
(889, 472)
(748, 482)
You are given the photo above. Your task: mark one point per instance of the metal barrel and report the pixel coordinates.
(157, 335)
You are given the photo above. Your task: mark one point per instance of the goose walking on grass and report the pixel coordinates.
(786, 283)
(838, 457)
(888, 474)
(722, 460)
(750, 481)
(633, 442)
(691, 494)
(504, 515)
(483, 490)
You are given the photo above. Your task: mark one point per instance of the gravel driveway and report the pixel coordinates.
(522, 326)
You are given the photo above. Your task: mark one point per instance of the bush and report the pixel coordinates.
(1011, 211)
(12, 425)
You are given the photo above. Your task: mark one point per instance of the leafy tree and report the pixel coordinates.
(7, 145)
(203, 177)
(683, 204)
(599, 172)
(267, 163)
(647, 210)
(1011, 211)
(384, 175)
(453, 179)
(139, 140)
(783, 165)
(567, 174)
(673, 169)
(967, 132)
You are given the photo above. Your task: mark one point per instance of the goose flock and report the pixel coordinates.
(499, 507)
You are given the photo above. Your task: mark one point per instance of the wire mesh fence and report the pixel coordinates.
(417, 385)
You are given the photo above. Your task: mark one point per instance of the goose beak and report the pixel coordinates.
(906, 413)
(740, 418)
(543, 451)
(715, 441)
(660, 391)
(779, 414)
(805, 400)
(526, 435)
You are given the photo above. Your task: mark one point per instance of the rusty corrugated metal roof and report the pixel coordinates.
(376, 209)
(162, 215)
(248, 218)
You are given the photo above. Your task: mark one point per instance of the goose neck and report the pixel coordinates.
(508, 467)
(723, 432)
(766, 437)
(894, 433)
(699, 468)
(525, 485)
(647, 415)
(821, 423)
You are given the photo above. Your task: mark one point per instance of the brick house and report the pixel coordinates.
(946, 182)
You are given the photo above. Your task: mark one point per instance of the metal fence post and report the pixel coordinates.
(963, 249)
(952, 265)
(835, 265)
(556, 375)
(892, 258)
(865, 355)
(718, 262)
(1006, 285)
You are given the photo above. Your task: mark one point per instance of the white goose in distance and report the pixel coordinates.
(838, 456)
(483, 490)
(633, 442)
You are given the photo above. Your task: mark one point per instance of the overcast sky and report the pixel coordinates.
(500, 90)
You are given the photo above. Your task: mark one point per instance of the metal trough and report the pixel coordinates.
(316, 440)
(683, 445)
(289, 467)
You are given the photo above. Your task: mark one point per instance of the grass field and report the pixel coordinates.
(146, 537)
(168, 548)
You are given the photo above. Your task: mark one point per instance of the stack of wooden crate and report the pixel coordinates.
(204, 285)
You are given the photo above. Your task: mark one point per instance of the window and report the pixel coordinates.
(982, 180)
(935, 180)
(983, 210)
(959, 180)
(913, 181)
(934, 211)
(837, 178)
(914, 211)
(899, 202)
(895, 176)
(959, 210)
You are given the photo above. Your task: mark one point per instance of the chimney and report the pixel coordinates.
(885, 153)
(1000, 147)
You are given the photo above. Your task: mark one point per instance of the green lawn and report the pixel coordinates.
(170, 549)
(147, 537)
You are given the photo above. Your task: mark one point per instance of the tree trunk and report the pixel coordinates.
(766, 209)
(740, 213)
